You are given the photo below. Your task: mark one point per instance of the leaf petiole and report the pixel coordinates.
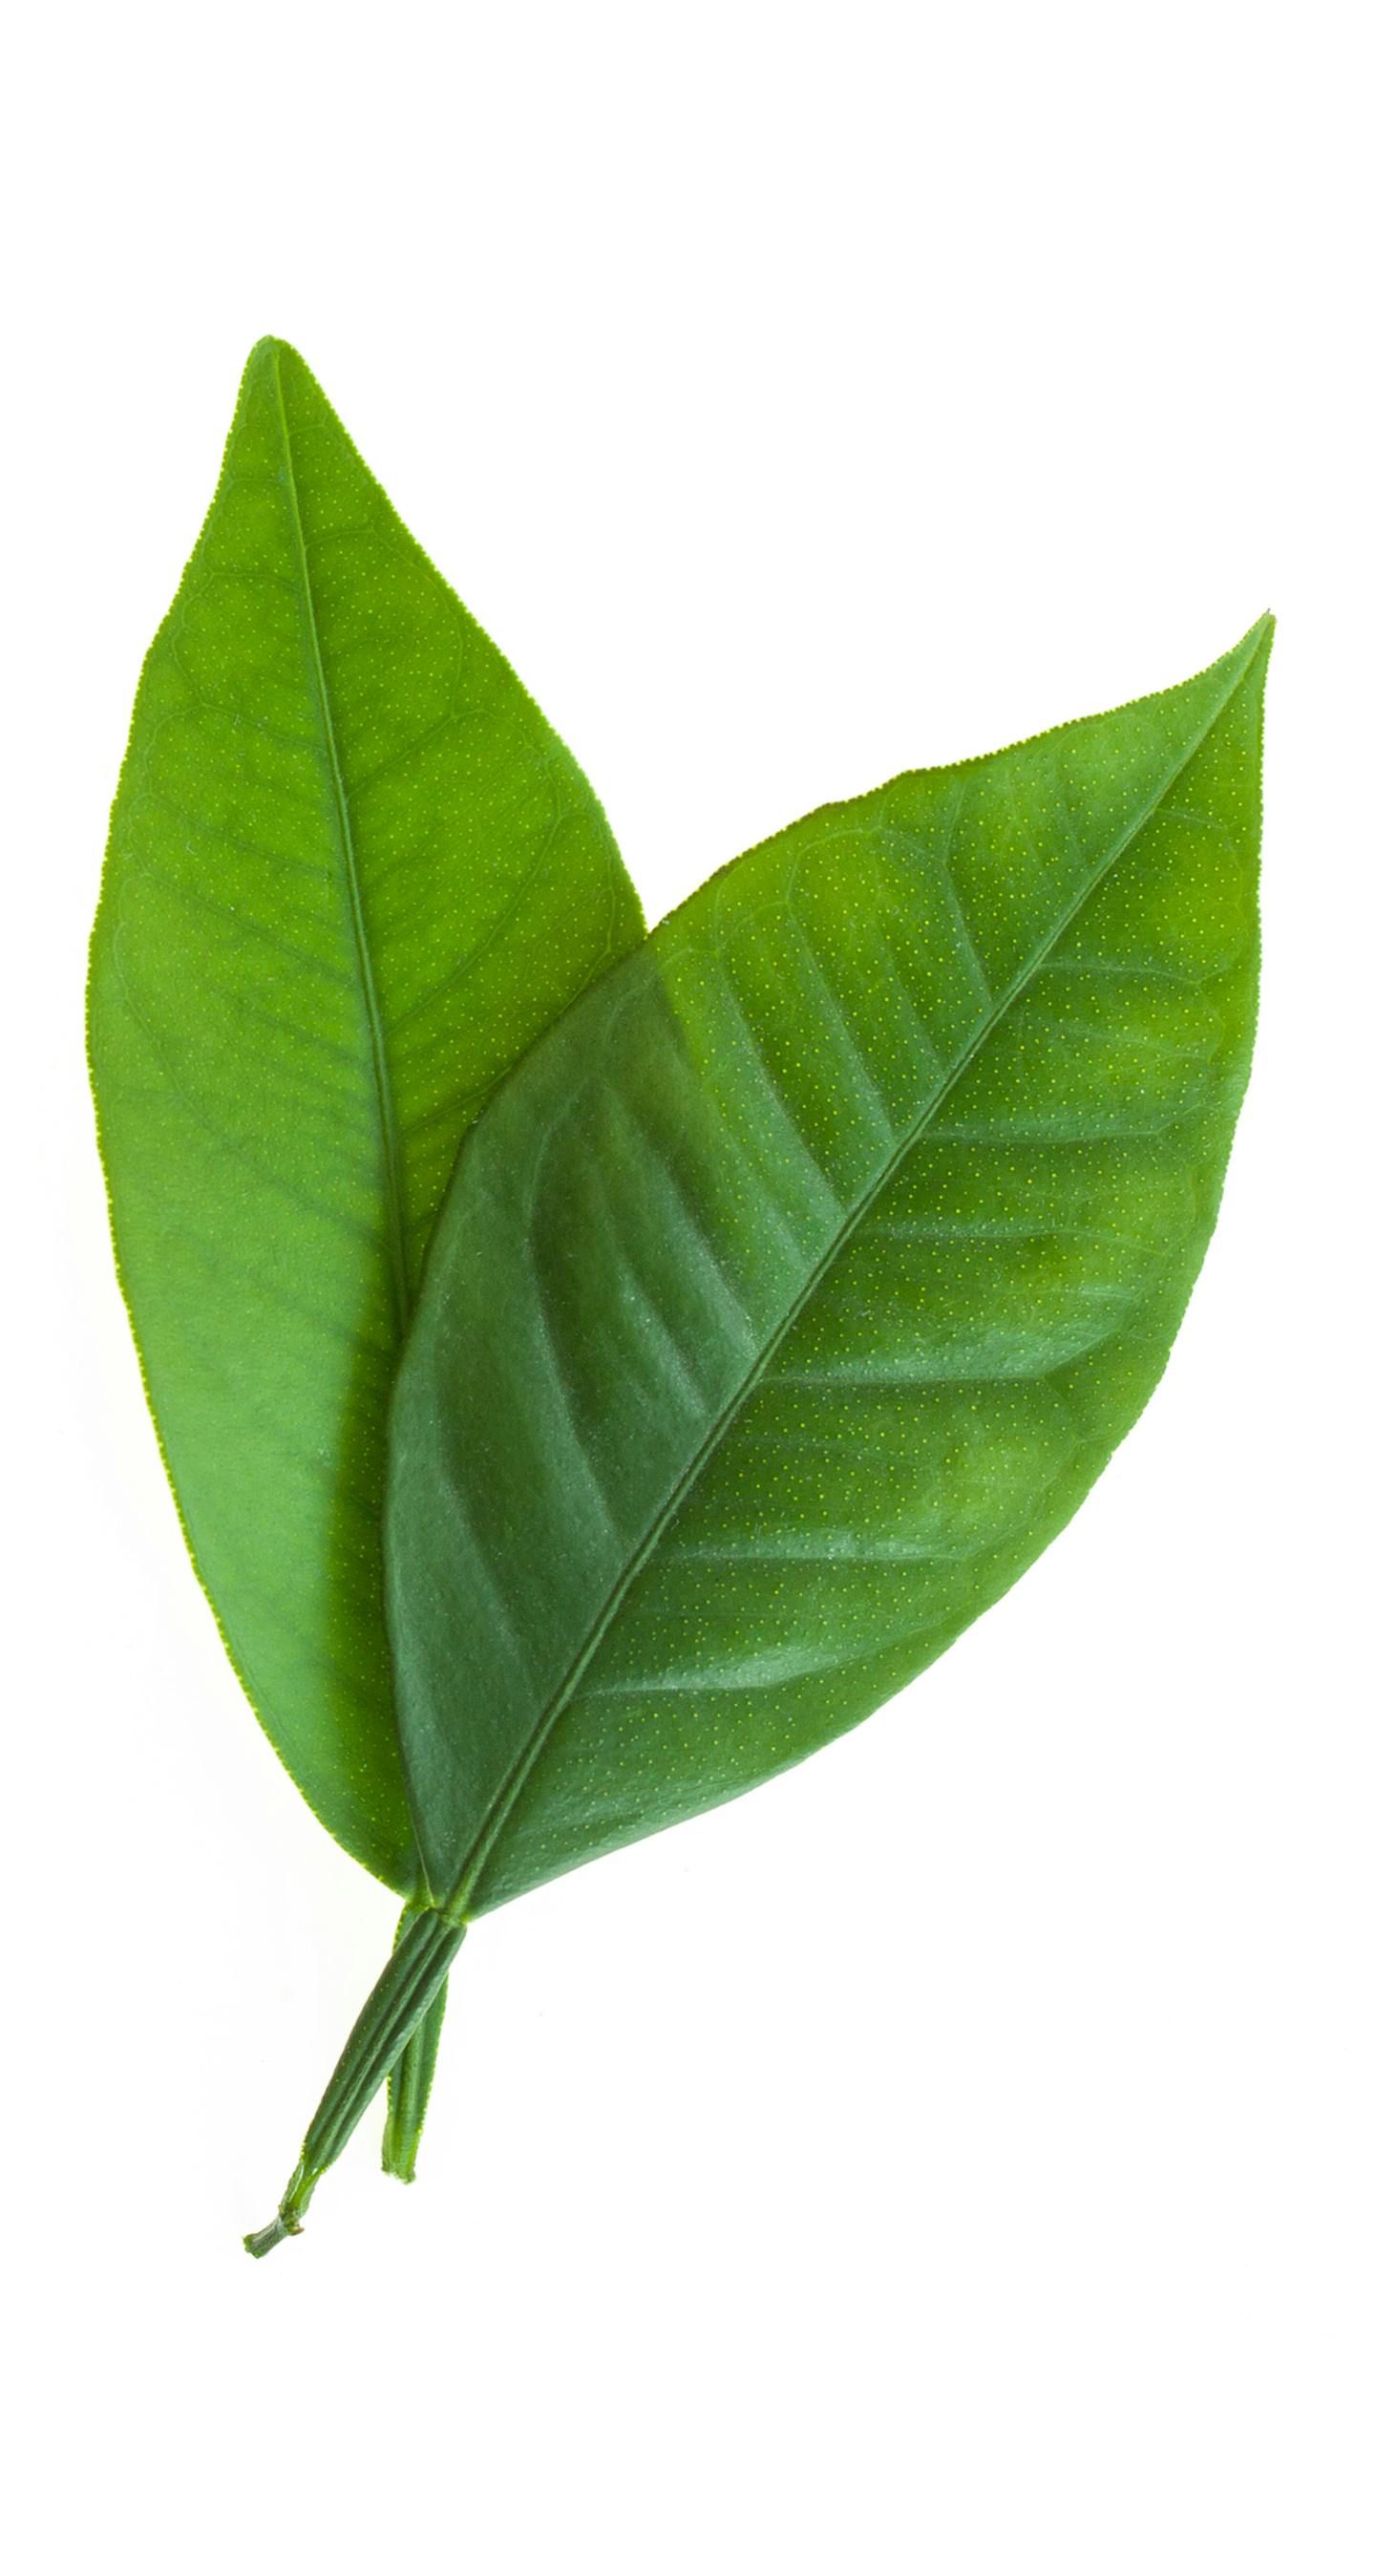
(407, 1987)
(408, 2085)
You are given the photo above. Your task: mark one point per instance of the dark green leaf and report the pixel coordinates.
(352, 873)
(795, 1288)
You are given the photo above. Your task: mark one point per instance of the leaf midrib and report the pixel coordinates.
(471, 1876)
(388, 1131)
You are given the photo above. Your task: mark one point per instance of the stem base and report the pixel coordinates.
(403, 1993)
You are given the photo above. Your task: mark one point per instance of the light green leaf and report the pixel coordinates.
(795, 1288)
(352, 874)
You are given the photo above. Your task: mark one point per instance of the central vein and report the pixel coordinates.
(388, 1134)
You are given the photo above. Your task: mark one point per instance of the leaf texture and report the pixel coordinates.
(351, 875)
(793, 1291)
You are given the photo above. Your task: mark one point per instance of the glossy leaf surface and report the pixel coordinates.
(351, 874)
(793, 1291)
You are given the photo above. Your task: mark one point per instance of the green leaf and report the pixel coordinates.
(793, 1291)
(352, 874)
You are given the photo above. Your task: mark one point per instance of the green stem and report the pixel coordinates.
(405, 1990)
(408, 2085)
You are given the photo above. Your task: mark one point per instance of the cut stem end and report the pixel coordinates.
(407, 1987)
(263, 2240)
(287, 2222)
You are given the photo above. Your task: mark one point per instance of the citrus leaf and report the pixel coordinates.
(793, 1291)
(351, 874)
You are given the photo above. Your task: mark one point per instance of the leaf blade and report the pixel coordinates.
(780, 1113)
(351, 873)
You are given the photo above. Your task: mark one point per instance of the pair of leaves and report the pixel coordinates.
(803, 1269)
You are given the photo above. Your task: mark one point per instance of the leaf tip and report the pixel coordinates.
(1255, 644)
(267, 355)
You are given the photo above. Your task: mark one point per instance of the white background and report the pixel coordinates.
(957, 2157)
